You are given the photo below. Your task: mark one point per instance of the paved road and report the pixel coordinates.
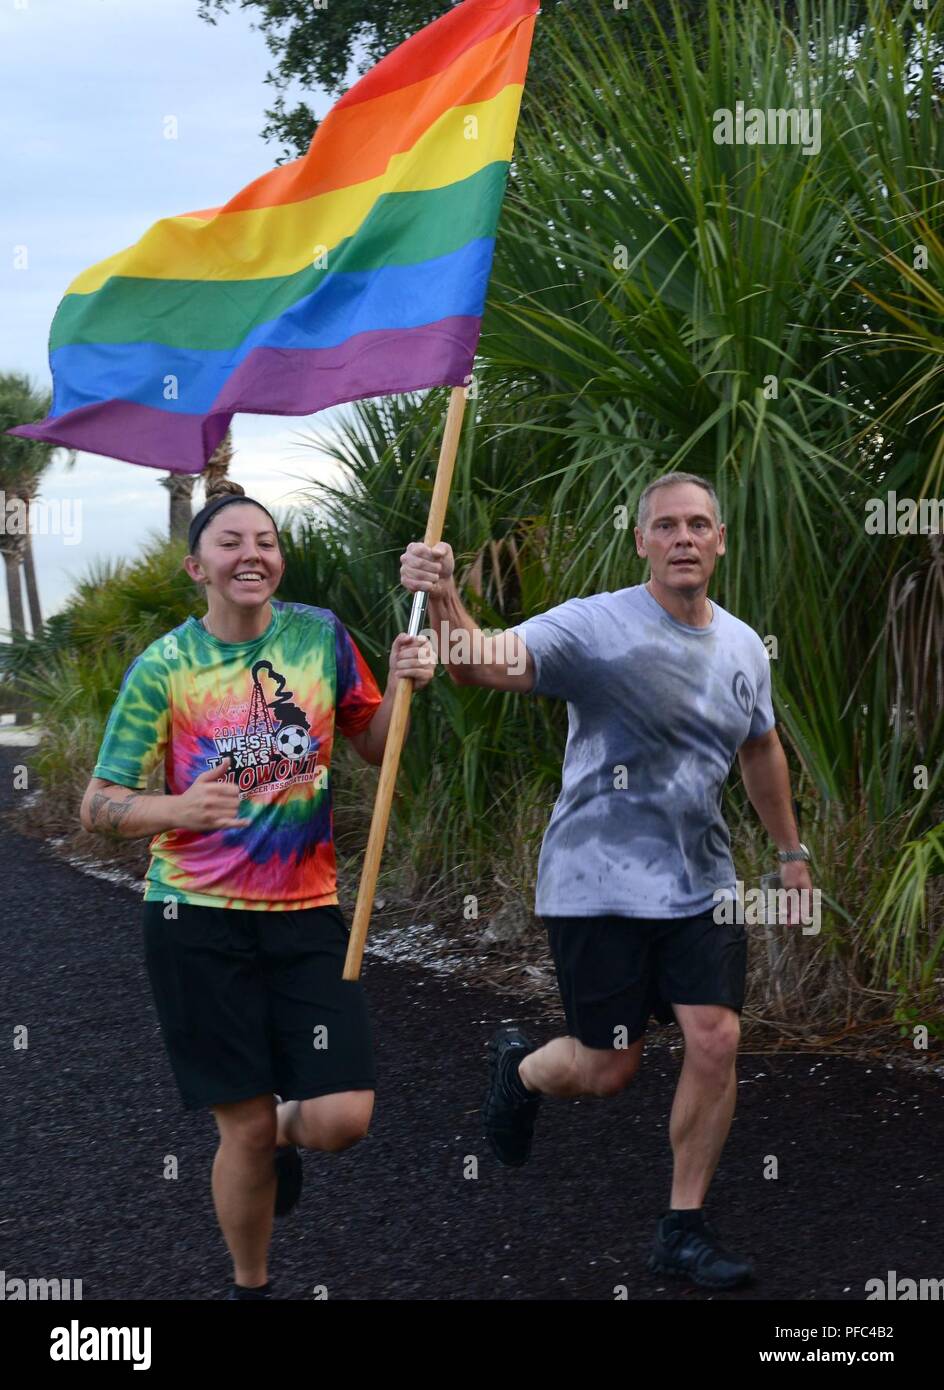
(90, 1111)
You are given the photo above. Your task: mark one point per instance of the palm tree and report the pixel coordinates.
(22, 465)
(13, 549)
(27, 493)
(218, 467)
(180, 487)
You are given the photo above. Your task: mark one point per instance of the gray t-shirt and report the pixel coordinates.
(657, 711)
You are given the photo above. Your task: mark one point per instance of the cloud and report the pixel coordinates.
(84, 147)
(84, 88)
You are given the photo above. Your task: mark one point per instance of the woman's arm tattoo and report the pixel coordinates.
(115, 810)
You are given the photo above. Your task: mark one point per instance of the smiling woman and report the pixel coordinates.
(238, 557)
(244, 939)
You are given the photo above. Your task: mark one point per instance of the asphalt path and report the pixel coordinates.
(91, 1113)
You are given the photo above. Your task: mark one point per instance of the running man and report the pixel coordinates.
(244, 939)
(663, 688)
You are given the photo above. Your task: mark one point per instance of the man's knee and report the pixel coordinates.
(713, 1043)
(607, 1071)
(335, 1122)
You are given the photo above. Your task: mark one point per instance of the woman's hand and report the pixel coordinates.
(413, 658)
(209, 803)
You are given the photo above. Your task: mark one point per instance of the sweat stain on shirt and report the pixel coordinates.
(670, 704)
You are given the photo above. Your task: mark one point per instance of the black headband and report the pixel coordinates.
(210, 510)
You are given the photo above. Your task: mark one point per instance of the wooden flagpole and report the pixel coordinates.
(402, 697)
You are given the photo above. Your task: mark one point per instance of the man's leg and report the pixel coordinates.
(701, 960)
(701, 1117)
(520, 1075)
(704, 1098)
(244, 1184)
(604, 976)
(565, 1068)
(602, 970)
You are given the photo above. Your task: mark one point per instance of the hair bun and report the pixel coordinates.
(224, 487)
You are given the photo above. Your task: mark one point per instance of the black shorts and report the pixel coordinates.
(615, 972)
(253, 1002)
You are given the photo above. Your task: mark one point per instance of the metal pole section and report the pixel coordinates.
(417, 614)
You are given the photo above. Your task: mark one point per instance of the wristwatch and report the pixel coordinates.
(787, 855)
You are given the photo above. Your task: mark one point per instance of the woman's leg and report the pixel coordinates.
(329, 1123)
(322, 1048)
(244, 1183)
(210, 991)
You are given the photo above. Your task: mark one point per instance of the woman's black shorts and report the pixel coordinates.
(614, 972)
(253, 1002)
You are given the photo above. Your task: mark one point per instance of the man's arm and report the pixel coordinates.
(110, 808)
(498, 662)
(767, 783)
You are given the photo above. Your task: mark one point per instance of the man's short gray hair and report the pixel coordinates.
(642, 516)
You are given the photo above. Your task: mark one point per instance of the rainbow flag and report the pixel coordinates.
(358, 270)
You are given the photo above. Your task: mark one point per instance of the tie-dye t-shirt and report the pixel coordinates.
(270, 706)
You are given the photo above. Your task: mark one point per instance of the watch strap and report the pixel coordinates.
(786, 856)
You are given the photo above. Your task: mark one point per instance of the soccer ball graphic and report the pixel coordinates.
(292, 741)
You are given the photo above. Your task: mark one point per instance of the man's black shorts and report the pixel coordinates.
(614, 972)
(253, 1002)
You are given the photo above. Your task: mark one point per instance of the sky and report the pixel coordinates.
(86, 90)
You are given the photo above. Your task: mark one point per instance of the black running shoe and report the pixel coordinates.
(508, 1118)
(288, 1173)
(697, 1255)
(239, 1295)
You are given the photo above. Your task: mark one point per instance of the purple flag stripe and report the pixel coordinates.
(271, 381)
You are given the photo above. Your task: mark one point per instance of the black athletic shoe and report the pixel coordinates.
(237, 1294)
(288, 1173)
(507, 1116)
(697, 1255)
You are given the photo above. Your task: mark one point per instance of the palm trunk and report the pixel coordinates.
(180, 487)
(29, 574)
(11, 563)
(219, 462)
